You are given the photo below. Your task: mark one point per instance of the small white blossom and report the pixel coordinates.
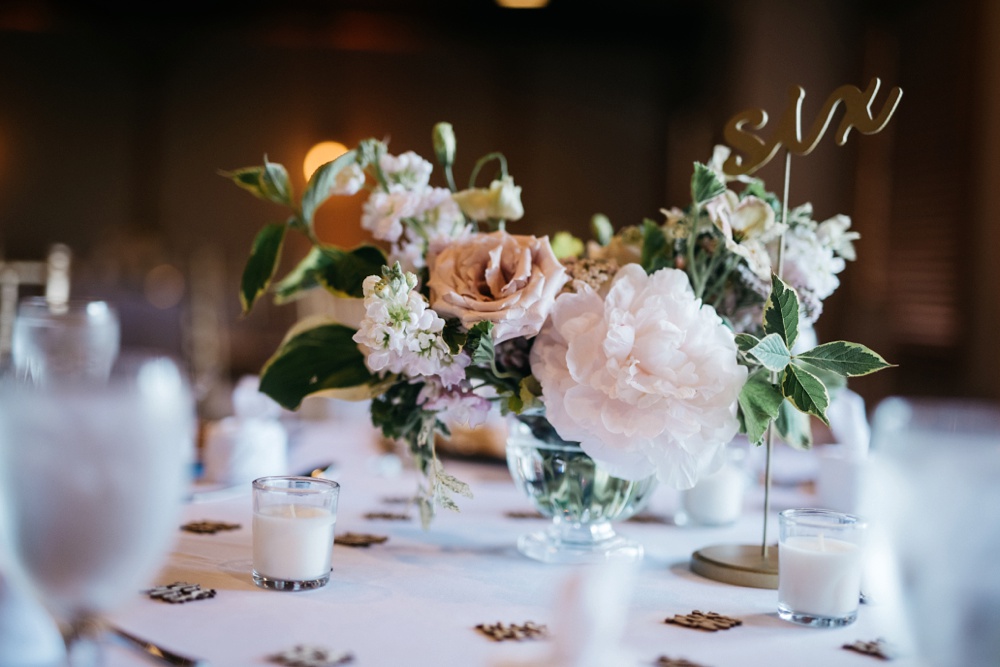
(408, 171)
(502, 201)
(401, 335)
(457, 402)
(349, 180)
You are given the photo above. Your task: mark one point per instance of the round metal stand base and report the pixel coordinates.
(738, 564)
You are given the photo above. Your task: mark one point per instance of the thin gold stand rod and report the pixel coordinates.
(774, 377)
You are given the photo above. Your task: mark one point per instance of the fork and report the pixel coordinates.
(154, 650)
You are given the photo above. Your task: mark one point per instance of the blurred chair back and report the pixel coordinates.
(52, 273)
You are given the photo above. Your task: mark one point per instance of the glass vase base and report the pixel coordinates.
(814, 620)
(542, 546)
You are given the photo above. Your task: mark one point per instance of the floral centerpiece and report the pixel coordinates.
(651, 346)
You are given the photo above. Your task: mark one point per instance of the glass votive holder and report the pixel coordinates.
(819, 567)
(293, 524)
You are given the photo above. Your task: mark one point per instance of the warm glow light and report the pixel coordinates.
(320, 154)
(522, 4)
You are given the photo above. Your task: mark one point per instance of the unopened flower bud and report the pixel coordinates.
(444, 144)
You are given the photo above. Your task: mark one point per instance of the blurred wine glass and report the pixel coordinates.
(935, 497)
(92, 478)
(52, 341)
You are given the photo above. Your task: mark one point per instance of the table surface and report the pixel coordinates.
(416, 599)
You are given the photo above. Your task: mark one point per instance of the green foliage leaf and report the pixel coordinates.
(746, 342)
(324, 357)
(759, 402)
(527, 398)
(772, 353)
(454, 335)
(479, 344)
(275, 184)
(844, 358)
(705, 185)
(261, 264)
(268, 182)
(781, 312)
(342, 272)
(794, 426)
(654, 247)
(320, 185)
(805, 391)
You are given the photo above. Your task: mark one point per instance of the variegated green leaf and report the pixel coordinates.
(261, 264)
(759, 401)
(844, 358)
(323, 357)
(745, 342)
(705, 184)
(805, 391)
(781, 312)
(320, 185)
(794, 426)
(772, 353)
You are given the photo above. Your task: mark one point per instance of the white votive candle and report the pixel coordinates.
(819, 576)
(293, 529)
(292, 542)
(819, 567)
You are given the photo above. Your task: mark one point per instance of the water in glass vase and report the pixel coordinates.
(581, 498)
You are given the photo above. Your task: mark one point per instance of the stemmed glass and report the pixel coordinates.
(92, 478)
(56, 341)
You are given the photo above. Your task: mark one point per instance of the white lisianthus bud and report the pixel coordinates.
(502, 201)
(444, 144)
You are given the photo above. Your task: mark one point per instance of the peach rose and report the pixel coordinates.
(502, 278)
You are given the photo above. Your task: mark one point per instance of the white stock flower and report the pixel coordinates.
(407, 171)
(502, 201)
(400, 334)
(809, 265)
(498, 277)
(349, 180)
(383, 213)
(646, 380)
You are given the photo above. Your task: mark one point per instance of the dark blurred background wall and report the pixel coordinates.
(114, 124)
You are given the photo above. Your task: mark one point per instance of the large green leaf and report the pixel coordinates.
(772, 353)
(781, 312)
(320, 185)
(261, 264)
(705, 185)
(268, 182)
(805, 391)
(323, 357)
(844, 358)
(341, 272)
(759, 401)
(793, 426)
(654, 247)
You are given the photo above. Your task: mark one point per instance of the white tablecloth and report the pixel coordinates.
(416, 599)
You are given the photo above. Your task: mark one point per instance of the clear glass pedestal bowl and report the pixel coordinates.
(581, 499)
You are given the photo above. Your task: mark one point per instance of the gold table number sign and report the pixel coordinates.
(788, 133)
(757, 565)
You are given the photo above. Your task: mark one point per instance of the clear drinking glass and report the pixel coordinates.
(76, 339)
(293, 524)
(92, 478)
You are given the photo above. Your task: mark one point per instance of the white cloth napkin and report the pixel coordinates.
(253, 443)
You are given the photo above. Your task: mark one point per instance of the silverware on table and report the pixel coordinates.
(154, 650)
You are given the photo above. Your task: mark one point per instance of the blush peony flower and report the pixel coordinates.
(502, 278)
(646, 379)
